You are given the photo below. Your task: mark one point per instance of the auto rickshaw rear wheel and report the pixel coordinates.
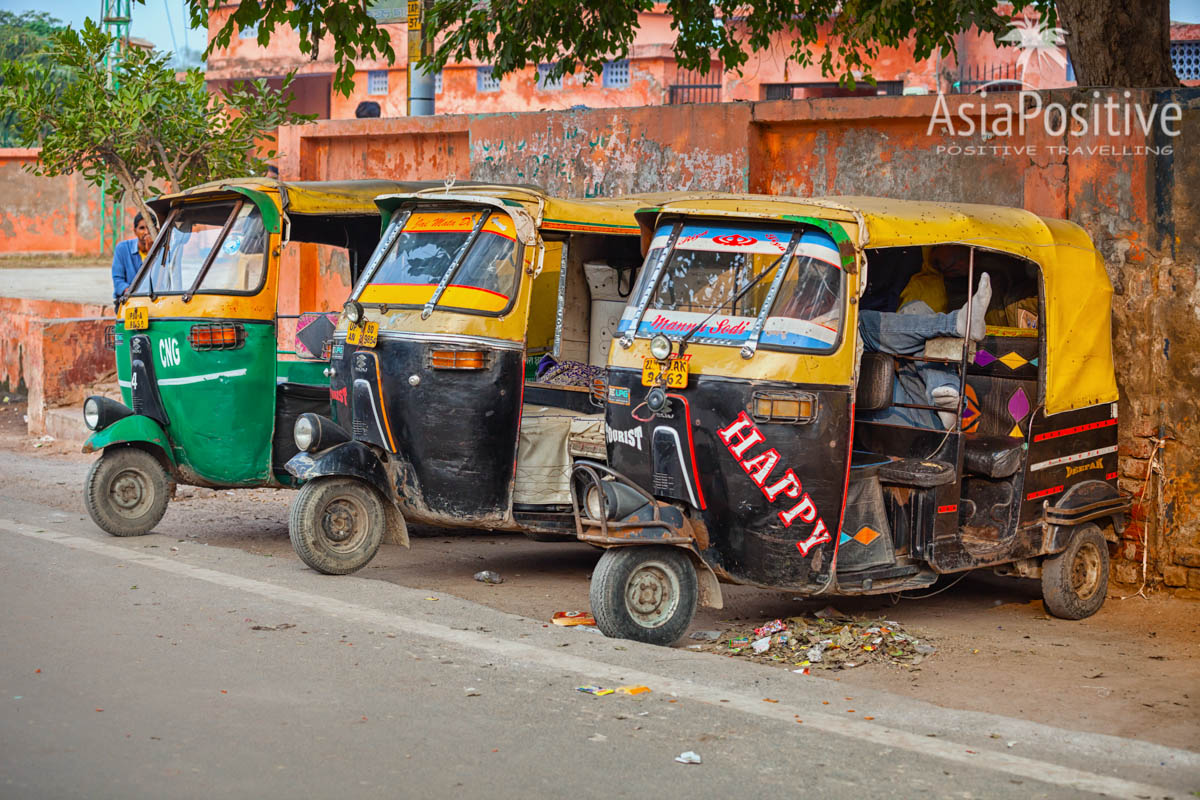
(644, 593)
(1075, 581)
(127, 491)
(336, 524)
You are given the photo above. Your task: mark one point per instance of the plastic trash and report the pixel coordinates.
(705, 636)
(573, 618)
(762, 645)
(688, 758)
(488, 576)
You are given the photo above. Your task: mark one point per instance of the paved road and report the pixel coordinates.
(154, 682)
(70, 284)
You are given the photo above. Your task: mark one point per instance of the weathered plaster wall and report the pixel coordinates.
(45, 216)
(1141, 209)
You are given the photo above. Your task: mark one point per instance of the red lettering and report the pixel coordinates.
(789, 484)
(339, 395)
(761, 465)
(806, 509)
(820, 534)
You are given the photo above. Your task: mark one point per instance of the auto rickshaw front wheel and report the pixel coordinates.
(644, 593)
(1075, 581)
(126, 491)
(336, 524)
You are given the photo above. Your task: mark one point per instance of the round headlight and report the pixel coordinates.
(354, 311)
(304, 433)
(91, 413)
(592, 502)
(660, 347)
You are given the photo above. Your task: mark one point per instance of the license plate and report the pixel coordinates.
(677, 372)
(365, 335)
(137, 319)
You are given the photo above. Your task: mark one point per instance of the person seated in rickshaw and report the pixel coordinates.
(922, 316)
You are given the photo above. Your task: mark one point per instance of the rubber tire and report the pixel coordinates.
(1060, 591)
(309, 536)
(610, 584)
(141, 467)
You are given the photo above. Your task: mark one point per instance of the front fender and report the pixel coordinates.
(354, 460)
(135, 429)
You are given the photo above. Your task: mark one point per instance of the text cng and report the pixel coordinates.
(740, 436)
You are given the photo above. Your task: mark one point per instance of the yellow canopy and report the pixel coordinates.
(1078, 367)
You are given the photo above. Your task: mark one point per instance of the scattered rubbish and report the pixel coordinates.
(829, 640)
(488, 576)
(434, 599)
(769, 700)
(472, 691)
(774, 626)
(705, 636)
(632, 689)
(283, 626)
(688, 758)
(596, 690)
(573, 618)
(597, 737)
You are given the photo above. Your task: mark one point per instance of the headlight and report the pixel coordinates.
(660, 347)
(592, 503)
(354, 311)
(91, 413)
(304, 432)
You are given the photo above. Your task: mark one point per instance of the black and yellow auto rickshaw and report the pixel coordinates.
(222, 340)
(463, 371)
(753, 439)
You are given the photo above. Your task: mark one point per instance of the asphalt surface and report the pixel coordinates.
(152, 667)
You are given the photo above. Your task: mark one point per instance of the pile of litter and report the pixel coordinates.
(828, 640)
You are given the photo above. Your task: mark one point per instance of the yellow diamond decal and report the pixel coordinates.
(1012, 361)
(865, 536)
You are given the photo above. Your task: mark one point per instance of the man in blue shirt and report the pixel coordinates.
(127, 258)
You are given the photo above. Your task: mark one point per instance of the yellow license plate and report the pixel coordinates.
(677, 373)
(365, 335)
(137, 319)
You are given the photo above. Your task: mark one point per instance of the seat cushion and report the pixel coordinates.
(993, 456)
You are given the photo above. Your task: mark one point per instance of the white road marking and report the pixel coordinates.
(599, 671)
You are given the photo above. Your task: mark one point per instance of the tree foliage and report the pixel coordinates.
(146, 130)
(843, 37)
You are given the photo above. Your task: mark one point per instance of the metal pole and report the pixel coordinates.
(420, 83)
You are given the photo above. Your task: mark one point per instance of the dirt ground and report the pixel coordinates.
(1132, 670)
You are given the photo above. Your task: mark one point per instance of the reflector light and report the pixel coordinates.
(783, 406)
(110, 337)
(457, 359)
(217, 336)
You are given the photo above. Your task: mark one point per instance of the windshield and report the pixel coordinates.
(192, 235)
(710, 265)
(485, 279)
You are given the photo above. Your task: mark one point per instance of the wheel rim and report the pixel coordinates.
(652, 594)
(1085, 571)
(129, 493)
(344, 524)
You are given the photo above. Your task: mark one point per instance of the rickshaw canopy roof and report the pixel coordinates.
(330, 198)
(1078, 294)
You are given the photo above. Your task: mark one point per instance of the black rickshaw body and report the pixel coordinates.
(785, 456)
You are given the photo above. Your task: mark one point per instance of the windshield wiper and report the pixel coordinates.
(454, 265)
(784, 256)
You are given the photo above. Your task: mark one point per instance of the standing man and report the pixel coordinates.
(128, 257)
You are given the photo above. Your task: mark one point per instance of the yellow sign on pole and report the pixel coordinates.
(414, 31)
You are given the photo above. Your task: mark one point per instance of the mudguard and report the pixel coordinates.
(134, 429)
(1084, 502)
(354, 460)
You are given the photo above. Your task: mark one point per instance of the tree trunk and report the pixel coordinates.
(1118, 43)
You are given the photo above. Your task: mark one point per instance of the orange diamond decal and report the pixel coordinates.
(866, 535)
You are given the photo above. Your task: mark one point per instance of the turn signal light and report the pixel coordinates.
(783, 407)
(457, 359)
(217, 336)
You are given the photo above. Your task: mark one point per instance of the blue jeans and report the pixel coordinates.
(904, 334)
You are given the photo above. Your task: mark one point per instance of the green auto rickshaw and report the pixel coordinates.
(223, 340)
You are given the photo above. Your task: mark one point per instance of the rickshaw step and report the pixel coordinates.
(917, 472)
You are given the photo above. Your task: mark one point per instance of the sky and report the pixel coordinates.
(164, 22)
